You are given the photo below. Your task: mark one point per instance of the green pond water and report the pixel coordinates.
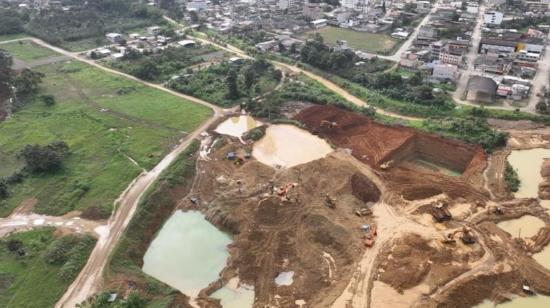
(188, 253)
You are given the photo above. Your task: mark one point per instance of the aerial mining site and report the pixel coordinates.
(347, 212)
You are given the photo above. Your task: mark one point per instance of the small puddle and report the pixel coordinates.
(188, 253)
(538, 301)
(527, 164)
(287, 146)
(237, 126)
(285, 278)
(233, 295)
(525, 226)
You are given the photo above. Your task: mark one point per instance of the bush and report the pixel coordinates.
(511, 178)
(4, 193)
(48, 100)
(47, 158)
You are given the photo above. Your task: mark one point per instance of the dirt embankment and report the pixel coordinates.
(299, 230)
(544, 186)
(415, 164)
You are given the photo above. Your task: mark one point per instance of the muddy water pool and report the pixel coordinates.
(235, 295)
(525, 226)
(237, 126)
(188, 253)
(286, 145)
(538, 301)
(527, 164)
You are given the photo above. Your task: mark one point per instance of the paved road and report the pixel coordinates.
(408, 43)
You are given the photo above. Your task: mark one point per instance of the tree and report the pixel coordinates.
(194, 17)
(10, 22)
(49, 100)
(27, 82)
(47, 158)
(231, 82)
(4, 193)
(415, 79)
(6, 62)
(249, 77)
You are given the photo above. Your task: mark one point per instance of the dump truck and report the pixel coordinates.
(369, 238)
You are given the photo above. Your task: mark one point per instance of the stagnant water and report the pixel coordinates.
(237, 126)
(234, 295)
(287, 146)
(527, 164)
(538, 301)
(284, 278)
(188, 253)
(525, 226)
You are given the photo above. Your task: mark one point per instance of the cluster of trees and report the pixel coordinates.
(161, 66)
(26, 84)
(316, 53)
(10, 22)
(227, 84)
(524, 22)
(47, 158)
(414, 89)
(296, 91)
(90, 19)
(474, 130)
(511, 178)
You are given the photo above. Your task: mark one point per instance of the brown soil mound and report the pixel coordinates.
(364, 189)
(420, 192)
(544, 186)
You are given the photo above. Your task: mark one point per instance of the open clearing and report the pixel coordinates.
(372, 42)
(109, 122)
(27, 51)
(32, 281)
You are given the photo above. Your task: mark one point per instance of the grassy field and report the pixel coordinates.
(106, 120)
(370, 42)
(27, 50)
(33, 280)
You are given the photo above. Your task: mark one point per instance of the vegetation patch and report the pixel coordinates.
(28, 51)
(36, 268)
(228, 84)
(371, 42)
(511, 178)
(102, 128)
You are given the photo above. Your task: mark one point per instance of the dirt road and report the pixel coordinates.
(89, 280)
(541, 80)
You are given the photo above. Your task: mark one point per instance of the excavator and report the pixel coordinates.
(465, 233)
(328, 124)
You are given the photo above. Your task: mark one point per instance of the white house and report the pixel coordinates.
(493, 18)
(319, 23)
(445, 72)
(187, 43)
(285, 4)
(114, 37)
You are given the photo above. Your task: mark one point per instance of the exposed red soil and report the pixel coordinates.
(376, 144)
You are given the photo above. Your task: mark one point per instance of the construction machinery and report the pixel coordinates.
(465, 234)
(386, 165)
(364, 211)
(328, 124)
(369, 238)
(330, 202)
(440, 212)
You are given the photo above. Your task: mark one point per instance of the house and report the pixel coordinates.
(490, 45)
(154, 30)
(531, 45)
(427, 32)
(236, 60)
(481, 89)
(114, 37)
(401, 35)
(187, 43)
(266, 46)
(410, 60)
(493, 18)
(319, 23)
(449, 55)
(445, 72)
(312, 10)
(528, 56)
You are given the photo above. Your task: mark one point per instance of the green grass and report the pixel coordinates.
(30, 281)
(371, 42)
(84, 44)
(102, 127)
(27, 51)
